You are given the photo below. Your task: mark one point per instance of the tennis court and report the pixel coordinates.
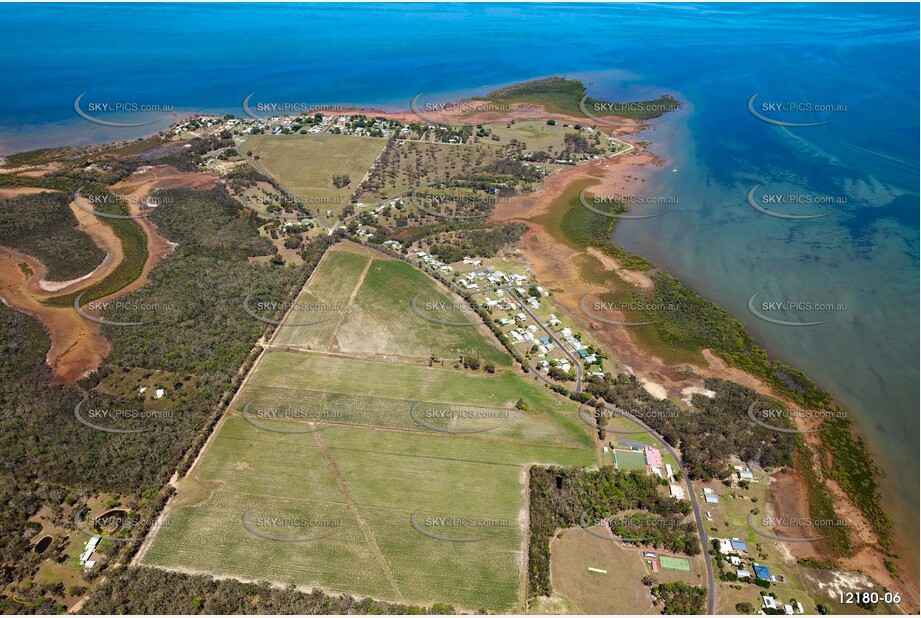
(675, 564)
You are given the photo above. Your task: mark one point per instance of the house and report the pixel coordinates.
(669, 473)
(676, 492)
(761, 572)
(788, 609)
(746, 474)
(735, 561)
(88, 548)
(653, 456)
(768, 602)
(740, 573)
(738, 545)
(710, 496)
(159, 393)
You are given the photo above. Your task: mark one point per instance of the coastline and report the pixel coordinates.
(555, 265)
(677, 146)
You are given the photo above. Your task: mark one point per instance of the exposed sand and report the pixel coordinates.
(690, 391)
(17, 191)
(32, 171)
(77, 345)
(555, 265)
(653, 388)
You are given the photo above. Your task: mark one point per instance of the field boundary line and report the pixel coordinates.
(167, 508)
(454, 459)
(348, 303)
(270, 344)
(479, 438)
(325, 450)
(353, 506)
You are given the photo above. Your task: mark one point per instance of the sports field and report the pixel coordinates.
(359, 302)
(629, 460)
(342, 498)
(675, 564)
(306, 164)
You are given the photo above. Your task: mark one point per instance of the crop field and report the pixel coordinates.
(358, 303)
(306, 164)
(329, 481)
(382, 320)
(320, 308)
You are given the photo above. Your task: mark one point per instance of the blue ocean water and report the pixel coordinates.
(864, 255)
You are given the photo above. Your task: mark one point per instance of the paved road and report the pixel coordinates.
(510, 290)
(704, 538)
(701, 530)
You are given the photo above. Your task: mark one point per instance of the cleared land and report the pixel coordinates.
(537, 135)
(320, 308)
(306, 164)
(406, 165)
(621, 589)
(359, 303)
(367, 472)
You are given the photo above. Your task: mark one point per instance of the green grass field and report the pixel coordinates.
(675, 564)
(321, 306)
(381, 320)
(630, 460)
(367, 472)
(538, 135)
(357, 302)
(305, 164)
